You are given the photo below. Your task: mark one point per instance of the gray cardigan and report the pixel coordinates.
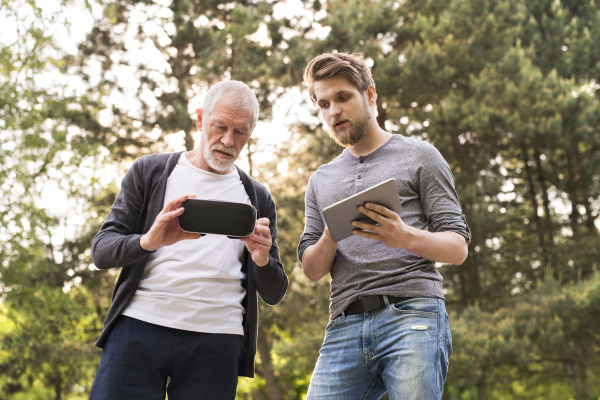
(139, 201)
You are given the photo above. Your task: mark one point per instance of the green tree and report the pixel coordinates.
(535, 346)
(49, 317)
(434, 63)
(506, 90)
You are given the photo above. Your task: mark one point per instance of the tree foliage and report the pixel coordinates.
(507, 90)
(52, 302)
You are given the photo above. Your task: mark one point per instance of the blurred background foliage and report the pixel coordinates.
(507, 90)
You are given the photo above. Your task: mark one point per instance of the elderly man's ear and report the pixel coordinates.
(199, 119)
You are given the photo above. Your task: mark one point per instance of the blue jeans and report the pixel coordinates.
(138, 358)
(402, 349)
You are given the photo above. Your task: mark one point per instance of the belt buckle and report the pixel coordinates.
(371, 303)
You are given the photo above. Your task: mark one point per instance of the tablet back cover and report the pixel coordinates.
(339, 216)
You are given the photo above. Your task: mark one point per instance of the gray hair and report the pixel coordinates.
(242, 97)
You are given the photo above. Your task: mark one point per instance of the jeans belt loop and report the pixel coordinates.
(343, 315)
(387, 302)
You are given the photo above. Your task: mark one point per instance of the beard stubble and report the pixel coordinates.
(357, 130)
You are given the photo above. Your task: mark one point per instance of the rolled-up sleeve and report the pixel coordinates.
(313, 225)
(438, 197)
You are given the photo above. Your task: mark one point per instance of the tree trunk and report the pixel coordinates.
(579, 375)
(251, 142)
(572, 182)
(534, 204)
(475, 278)
(464, 287)
(591, 219)
(56, 383)
(267, 367)
(381, 116)
(474, 289)
(546, 202)
(482, 393)
(545, 199)
(189, 140)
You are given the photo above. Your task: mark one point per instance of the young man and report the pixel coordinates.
(185, 307)
(389, 328)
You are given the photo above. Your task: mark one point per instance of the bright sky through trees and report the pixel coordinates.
(70, 26)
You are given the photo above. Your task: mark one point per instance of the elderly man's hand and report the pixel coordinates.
(259, 243)
(165, 230)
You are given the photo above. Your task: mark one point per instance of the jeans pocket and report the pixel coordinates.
(448, 338)
(332, 323)
(419, 307)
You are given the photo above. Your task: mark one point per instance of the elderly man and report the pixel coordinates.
(183, 320)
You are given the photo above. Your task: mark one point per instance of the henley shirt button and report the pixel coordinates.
(360, 160)
(360, 176)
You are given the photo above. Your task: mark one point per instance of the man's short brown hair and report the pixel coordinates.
(338, 65)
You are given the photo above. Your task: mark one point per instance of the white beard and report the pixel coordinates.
(217, 163)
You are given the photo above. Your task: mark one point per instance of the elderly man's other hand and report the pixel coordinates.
(259, 243)
(165, 230)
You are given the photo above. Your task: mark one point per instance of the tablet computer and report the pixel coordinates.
(339, 216)
(234, 220)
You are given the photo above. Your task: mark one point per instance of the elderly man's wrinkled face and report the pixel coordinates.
(224, 133)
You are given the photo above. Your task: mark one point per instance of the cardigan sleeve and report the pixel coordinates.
(117, 244)
(271, 280)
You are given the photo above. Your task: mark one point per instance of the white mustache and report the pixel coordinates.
(224, 149)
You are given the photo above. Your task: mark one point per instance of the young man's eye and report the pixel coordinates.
(323, 105)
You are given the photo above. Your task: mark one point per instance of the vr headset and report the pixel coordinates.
(234, 220)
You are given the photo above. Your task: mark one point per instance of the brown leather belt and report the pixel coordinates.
(370, 303)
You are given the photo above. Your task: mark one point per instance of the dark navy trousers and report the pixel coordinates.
(139, 357)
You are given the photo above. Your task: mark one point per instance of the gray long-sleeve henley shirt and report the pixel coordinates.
(365, 267)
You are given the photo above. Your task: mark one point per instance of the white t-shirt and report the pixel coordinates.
(195, 285)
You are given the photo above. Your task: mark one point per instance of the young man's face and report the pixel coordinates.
(224, 133)
(344, 108)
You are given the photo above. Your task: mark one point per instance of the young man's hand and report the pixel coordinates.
(446, 247)
(165, 230)
(259, 243)
(390, 229)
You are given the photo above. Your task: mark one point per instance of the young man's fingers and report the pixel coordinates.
(380, 209)
(372, 214)
(369, 235)
(369, 227)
